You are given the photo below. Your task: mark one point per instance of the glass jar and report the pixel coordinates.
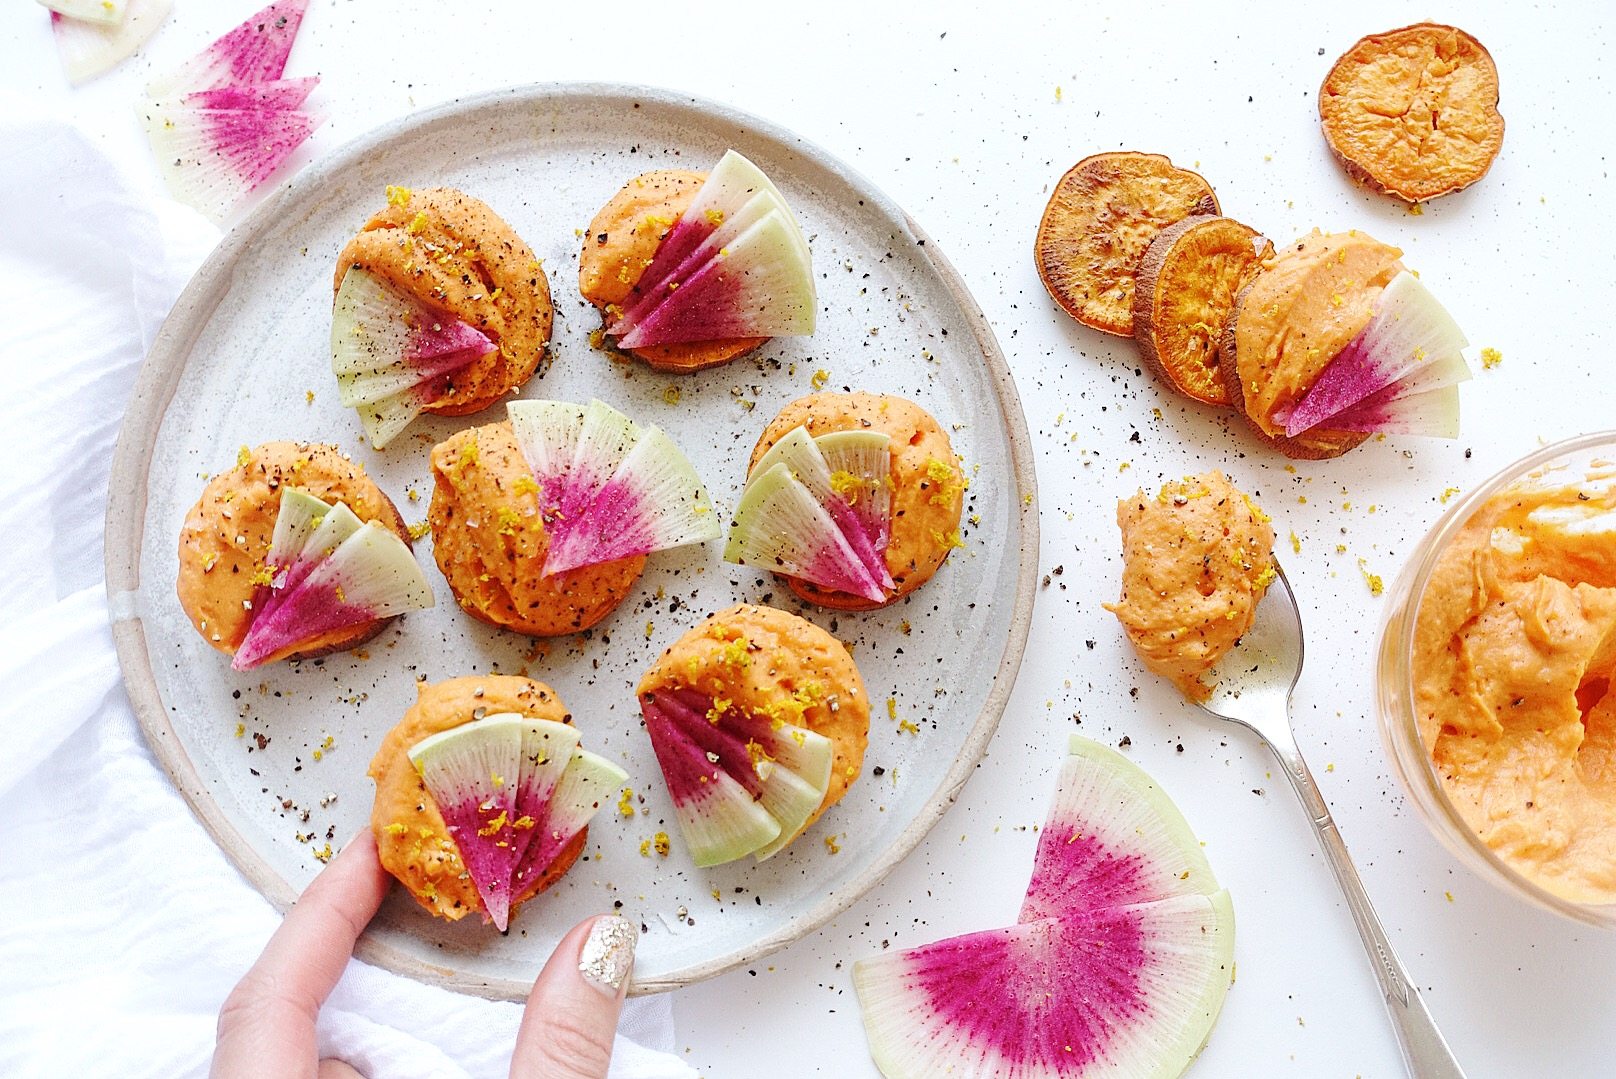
(1399, 730)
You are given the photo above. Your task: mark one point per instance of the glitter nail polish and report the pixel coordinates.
(608, 953)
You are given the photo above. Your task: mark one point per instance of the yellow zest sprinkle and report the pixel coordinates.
(1415, 210)
(417, 225)
(670, 395)
(509, 522)
(496, 779)
(734, 653)
(1449, 493)
(265, 576)
(395, 829)
(625, 802)
(419, 529)
(950, 541)
(308, 395)
(494, 825)
(820, 378)
(892, 709)
(324, 853)
(948, 480)
(906, 727)
(210, 561)
(468, 452)
(1491, 357)
(715, 217)
(1265, 578)
(716, 712)
(650, 627)
(645, 848)
(1376, 587)
(241, 729)
(1257, 511)
(1296, 542)
(523, 823)
(661, 843)
(831, 844)
(397, 196)
(342, 597)
(1057, 95)
(243, 457)
(319, 755)
(847, 485)
(656, 222)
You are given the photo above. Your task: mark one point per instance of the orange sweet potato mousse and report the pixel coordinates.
(1414, 112)
(1296, 316)
(1101, 218)
(621, 242)
(1184, 298)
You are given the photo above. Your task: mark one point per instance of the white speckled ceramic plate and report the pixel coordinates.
(246, 343)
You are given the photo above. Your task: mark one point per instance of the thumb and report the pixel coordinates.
(571, 1014)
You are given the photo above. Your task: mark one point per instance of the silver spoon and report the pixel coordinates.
(1254, 690)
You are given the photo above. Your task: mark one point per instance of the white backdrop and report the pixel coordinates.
(966, 118)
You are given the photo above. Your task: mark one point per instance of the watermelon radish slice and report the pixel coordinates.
(759, 285)
(88, 49)
(1112, 838)
(514, 791)
(780, 527)
(391, 356)
(1128, 990)
(609, 487)
(1411, 335)
(735, 196)
(327, 571)
(587, 782)
(254, 52)
(105, 12)
(212, 159)
(473, 773)
(741, 784)
(1434, 413)
(838, 490)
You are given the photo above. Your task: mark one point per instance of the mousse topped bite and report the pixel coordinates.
(542, 523)
(440, 307)
(1197, 558)
(691, 270)
(483, 795)
(759, 721)
(854, 498)
(294, 553)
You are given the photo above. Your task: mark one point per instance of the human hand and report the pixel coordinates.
(266, 1026)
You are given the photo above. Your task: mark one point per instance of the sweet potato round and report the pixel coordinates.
(1103, 214)
(1188, 280)
(1414, 112)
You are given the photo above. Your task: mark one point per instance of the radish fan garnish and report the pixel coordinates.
(1118, 966)
(256, 51)
(734, 265)
(1410, 346)
(392, 356)
(514, 792)
(609, 488)
(818, 518)
(326, 571)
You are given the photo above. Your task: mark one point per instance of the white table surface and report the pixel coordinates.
(966, 118)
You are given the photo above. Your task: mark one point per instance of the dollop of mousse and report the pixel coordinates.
(1197, 559)
(489, 540)
(768, 662)
(456, 257)
(1513, 670)
(412, 840)
(928, 484)
(224, 543)
(622, 241)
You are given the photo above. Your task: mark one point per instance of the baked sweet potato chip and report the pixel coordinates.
(1414, 112)
(1102, 216)
(1184, 298)
(1296, 316)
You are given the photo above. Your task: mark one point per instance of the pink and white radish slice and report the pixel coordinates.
(90, 48)
(740, 784)
(1120, 991)
(255, 51)
(327, 571)
(514, 791)
(853, 490)
(609, 488)
(779, 527)
(279, 94)
(391, 356)
(1112, 837)
(1410, 342)
(756, 286)
(473, 772)
(212, 159)
(104, 12)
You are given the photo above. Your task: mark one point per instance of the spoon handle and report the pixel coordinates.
(1424, 1050)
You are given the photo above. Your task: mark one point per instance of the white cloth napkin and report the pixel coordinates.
(124, 926)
